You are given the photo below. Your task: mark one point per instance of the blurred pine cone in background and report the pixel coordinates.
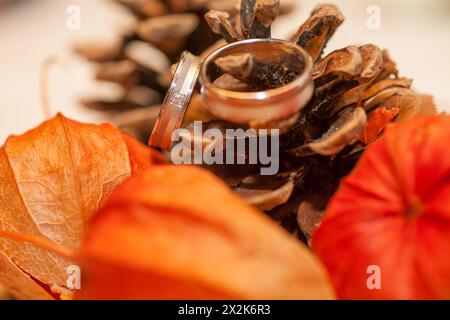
(140, 63)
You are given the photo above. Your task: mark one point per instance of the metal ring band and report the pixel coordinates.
(273, 104)
(176, 102)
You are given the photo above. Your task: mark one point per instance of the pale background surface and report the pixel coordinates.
(416, 32)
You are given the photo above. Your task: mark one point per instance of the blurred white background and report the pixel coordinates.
(416, 32)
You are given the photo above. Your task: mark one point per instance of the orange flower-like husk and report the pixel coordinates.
(393, 212)
(178, 232)
(53, 179)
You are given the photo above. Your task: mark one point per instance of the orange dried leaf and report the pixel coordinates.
(54, 178)
(141, 157)
(377, 121)
(178, 232)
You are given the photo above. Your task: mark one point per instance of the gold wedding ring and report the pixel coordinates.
(240, 107)
(176, 101)
(268, 105)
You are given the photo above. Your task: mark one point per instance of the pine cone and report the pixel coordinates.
(358, 92)
(140, 62)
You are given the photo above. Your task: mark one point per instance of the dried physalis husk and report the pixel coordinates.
(155, 240)
(4, 294)
(55, 177)
(392, 212)
(314, 34)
